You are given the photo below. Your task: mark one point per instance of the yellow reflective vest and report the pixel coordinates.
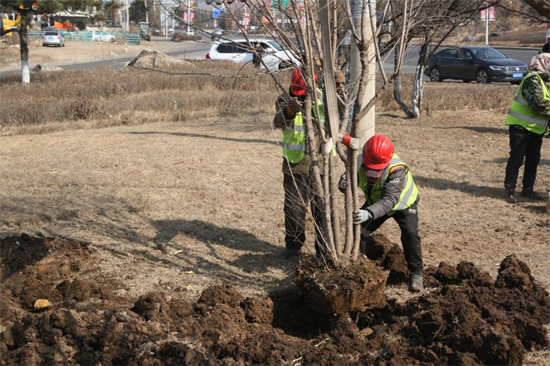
(408, 195)
(523, 115)
(294, 138)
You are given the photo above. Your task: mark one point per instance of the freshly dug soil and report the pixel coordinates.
(465, 318)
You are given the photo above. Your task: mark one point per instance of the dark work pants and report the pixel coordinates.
(299, 194)
(408, 223)
(523, 145)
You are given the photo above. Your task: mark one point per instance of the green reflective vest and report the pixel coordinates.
(523, 115)
(294, 138)
(408, 195)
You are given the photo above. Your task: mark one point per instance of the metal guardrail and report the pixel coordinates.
(87, 35)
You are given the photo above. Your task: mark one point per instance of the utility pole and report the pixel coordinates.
(165, 22)
(487, 26)
(366, 127)
(188, 17)
(147, 11)
(127, 20)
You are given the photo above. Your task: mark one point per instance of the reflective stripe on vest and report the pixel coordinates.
(294, 138)
(408, 195)
(523, 115)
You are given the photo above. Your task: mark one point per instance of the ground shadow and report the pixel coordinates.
(183, 134)
(212, 236)
(18, 252)
(538, 209)
(504, 160)
(495, 130)
(391, 115)
(465, 187)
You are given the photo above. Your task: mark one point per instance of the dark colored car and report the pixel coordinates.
(482, 64)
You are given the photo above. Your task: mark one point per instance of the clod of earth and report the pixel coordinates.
(466, 318)
(357, 286)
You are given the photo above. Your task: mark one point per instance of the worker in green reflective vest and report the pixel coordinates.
(528, 121)
(390, 191)
(299, 188)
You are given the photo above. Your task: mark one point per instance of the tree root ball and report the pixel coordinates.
(356, 286)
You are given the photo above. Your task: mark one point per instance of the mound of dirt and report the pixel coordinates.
(155, 60)
(468, 318)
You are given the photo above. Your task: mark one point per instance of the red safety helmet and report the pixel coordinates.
(297, 83)
(377, 153)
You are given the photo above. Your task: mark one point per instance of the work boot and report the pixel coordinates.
(416, 282)
(289, 253)
(509, 194)
(532, 195)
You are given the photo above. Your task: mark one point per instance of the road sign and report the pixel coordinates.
(490, 11)
(277, 3)
(216, 13)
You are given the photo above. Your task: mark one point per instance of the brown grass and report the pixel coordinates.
(105, 97)
(452, 96)
(531, 36)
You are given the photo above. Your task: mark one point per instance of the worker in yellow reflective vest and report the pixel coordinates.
(299, 188)
(390, 191)
(528, 121)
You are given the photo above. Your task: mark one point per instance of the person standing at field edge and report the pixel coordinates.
(389, 191)
(528, 121)
(546, 47)
(298, 182)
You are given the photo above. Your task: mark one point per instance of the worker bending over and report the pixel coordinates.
(390, 191)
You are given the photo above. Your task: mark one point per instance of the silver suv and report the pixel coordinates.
(241, 51)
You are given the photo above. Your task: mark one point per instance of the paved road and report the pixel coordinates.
(411, 57)
(188, 50)
(193, 50)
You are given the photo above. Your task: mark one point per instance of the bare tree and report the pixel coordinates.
(320, 34)
(428, 24)
(541, 6)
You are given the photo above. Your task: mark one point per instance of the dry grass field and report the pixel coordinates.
(184, 172)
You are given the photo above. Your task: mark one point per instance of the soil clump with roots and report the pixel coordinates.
(466, 317)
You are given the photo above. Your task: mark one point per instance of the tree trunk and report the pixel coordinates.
(397, 90)
(333, 191)
(326, 245)
(24, 48)
(418, 83)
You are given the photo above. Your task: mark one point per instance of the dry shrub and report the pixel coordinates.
(530, 36)
(452, 96)
(105, 97)
(182, 36)
(121, 96)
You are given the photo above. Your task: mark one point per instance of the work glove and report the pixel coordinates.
(348, 141)
(327, 148)
(293, 107)
(343, 184)
(360, 216)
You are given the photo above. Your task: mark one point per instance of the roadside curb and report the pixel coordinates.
(516, 48)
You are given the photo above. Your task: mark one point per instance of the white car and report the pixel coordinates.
(240, 51)
(102, 36)
(53, 38)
